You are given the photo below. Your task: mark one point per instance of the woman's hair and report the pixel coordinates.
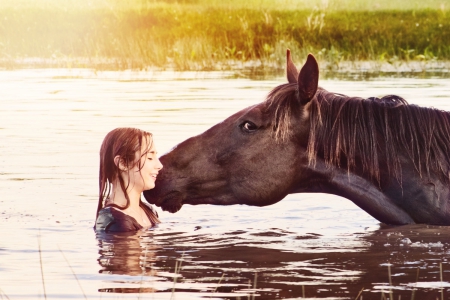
(127, 144)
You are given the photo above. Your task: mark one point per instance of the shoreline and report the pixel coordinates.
(250, 69)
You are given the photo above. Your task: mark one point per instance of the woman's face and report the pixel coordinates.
(144, 179)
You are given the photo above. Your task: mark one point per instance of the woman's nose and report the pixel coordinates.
(159, 166)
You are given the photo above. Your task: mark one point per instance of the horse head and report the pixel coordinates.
(249, 158)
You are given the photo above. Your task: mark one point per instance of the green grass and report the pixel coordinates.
(209, 35)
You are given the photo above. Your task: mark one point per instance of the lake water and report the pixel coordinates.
(307, 246)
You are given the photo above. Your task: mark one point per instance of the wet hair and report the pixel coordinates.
(127, 144)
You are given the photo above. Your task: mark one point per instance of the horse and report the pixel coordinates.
(390, 158)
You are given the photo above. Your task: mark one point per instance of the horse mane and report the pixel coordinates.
(352, 131)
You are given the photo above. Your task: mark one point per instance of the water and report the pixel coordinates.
(318, 246)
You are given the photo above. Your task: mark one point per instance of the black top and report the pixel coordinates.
(113, 220)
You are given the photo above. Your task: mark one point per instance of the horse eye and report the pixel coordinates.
(249, 126)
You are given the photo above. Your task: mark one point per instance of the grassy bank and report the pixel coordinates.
(208, 35)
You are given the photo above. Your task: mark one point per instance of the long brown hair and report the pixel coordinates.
(125, 143)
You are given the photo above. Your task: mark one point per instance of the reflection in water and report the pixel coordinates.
(123, 253)
(236, 263)
(126, 254)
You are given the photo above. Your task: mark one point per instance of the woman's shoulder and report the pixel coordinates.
(104, 218)
(110, 219)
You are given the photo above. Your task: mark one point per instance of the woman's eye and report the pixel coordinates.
(249, 126)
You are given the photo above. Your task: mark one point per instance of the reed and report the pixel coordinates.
(73, 273)
(359, 294)
(442, 281)
(3, 294)
(391, 294)
(211, 35)
(40, 263)
(254, 286)
(218, 284)
(414, 288)
(177, 271)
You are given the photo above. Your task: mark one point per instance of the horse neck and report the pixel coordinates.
(361, 191)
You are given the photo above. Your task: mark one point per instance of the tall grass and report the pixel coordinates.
(210, 35)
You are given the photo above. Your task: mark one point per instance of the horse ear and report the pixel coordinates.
(308, 79)
(291, 70)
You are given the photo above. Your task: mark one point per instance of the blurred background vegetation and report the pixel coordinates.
(219, 35)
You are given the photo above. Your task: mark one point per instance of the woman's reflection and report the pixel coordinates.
(126, 254)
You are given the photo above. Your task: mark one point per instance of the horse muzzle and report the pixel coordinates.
(172, 202)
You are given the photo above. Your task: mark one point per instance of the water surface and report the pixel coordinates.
(308, 245)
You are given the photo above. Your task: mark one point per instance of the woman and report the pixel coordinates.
(128, 166)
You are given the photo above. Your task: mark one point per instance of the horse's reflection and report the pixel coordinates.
(226, 263)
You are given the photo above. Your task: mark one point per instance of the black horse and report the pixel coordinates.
(390, 158)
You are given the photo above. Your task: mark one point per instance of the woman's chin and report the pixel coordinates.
(149, 186)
